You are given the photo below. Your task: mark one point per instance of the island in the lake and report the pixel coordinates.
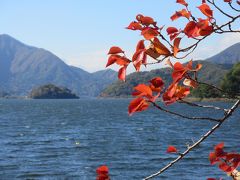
(51, 91)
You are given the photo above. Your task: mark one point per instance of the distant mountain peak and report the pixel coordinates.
(23, 67)
(231, 55)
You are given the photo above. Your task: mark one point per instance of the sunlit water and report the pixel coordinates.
(69, 139)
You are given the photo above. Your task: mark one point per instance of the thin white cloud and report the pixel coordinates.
(213, 47)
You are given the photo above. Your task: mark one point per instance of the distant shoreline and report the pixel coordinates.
(190, 99)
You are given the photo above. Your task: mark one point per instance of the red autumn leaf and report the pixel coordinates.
(227, 0)
(112, 59)
(219, 146)
(149, 33)
(144, 90)
(225, 167)
(145, 20)
(157, 82)
(139, 58)
(178, 71)
(115, 50)
(182, 2)
(102, 170)
(137, 105)
(213, 158)
(174, 93)
(191, 29)
(238, 1)
(176, 46)
(122, 61)
(122, 73)
(152, 53)
(160, 48)
(140, 45)
(134, 26)
(102, 173)
(205, 9)
(171, 30)
(172, 149)
(183, 13)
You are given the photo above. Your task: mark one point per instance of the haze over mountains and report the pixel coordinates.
(24, 67)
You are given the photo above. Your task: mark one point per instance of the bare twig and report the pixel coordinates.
(190, 148)
(219, 9)
(230, 4)
(183, 116)
(202, 106)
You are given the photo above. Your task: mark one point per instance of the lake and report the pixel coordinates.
(69, 139)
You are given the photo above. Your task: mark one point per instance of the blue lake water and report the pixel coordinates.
(69, 139)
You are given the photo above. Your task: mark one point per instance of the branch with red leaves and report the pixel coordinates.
(159, 48)
(192, 147)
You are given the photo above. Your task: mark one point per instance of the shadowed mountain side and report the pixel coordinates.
(23, 68)
(230, 55)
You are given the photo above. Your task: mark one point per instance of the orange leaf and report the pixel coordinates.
(144, 89)
(183, 13)
(176, 46)
(102, 170)
(137, 105)
(156, 84)
(149, 33)
(182, 2)
(160, 48)
(172, 149)
(115, 50)
(145, 20)
(134, 26)
(122, 61)
(171, 30)
(152, 53)
(122, 73)
(140, 45)
(191, 29)
(112, 59)
(205, 9)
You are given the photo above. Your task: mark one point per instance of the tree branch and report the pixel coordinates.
(190, 148)
(183, 116)
(203, 106)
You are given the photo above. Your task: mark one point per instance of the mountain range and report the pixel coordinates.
(212, 72)
(23, 67)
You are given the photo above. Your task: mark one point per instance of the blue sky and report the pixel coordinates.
(80, 32)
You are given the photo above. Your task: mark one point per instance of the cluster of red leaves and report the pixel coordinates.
(145, 94)
(194, 28)
(227, 162)
(150, 31)
(102, 173)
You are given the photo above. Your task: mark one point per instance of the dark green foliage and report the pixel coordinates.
(231, 81)
(204, 91)
(51, 91)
